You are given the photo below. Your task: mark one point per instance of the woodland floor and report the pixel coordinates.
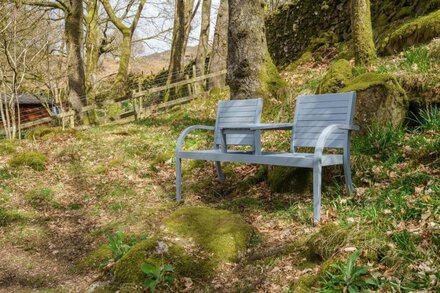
(122, 176)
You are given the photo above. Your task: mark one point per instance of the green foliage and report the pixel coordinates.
(418, 59)
(7, 216)
(157, 275)
(117, 245)
(7, 147)
(428, 119)
(219, 232)
(40, 197)
(348, 277)
(43, 132)
(380, 140)
(336, 78)
(31, 159)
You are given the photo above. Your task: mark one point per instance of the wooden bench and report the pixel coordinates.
(320, 121)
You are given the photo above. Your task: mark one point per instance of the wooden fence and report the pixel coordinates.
(137, 103)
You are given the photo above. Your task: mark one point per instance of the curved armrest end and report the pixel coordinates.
(187, 131)
(320, 144)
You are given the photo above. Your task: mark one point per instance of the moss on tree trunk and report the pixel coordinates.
(251, 72)
(363, 43)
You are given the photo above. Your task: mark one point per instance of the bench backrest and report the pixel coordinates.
(316, 112)
(237, 112)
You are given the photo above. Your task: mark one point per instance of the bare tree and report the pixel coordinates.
(127, 32)
(219, 53)
(203, 46)
(20, 49)
(363, 43)
(73, 29)
(183, 16)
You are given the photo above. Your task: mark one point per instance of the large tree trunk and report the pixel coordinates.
(124, 59)
(181, 30)
(75, 62)
(202, 48)
(92, 47)
(363, 43)
(219, 55)
(251, 72)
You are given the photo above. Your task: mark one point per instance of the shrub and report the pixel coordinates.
(31, 159)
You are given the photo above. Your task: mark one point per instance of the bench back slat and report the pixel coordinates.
(236, 112)
(314, 113)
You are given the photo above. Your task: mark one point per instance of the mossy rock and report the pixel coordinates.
(299, 180)
(289, 179)
(304, 284)
(223, 234)
(44, 132)
(417, 31)
(380, 98)
(35, 160)
(7, 147)
(128, 269)
(336, 78)
(95, 259)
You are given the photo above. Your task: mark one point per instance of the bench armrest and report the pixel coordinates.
(322, 139)
(260, 126)
(185, 133)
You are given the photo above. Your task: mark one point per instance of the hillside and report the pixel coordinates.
(75, 188)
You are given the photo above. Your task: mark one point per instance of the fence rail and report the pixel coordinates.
(137, 100)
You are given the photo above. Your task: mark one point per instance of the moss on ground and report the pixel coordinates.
(95, 259)
(128, 268)
(44, 132)
(34, 160)
(336, 78)
(8, 216)
(7, 147)
(380, 98)
(222, 233)
(417, 31)
(331, 238)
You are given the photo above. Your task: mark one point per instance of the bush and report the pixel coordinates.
(31, 159)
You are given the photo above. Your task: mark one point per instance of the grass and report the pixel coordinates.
(122, 176)
(418, 59)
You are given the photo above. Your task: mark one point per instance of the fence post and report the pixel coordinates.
(72, 120)
(190, 89)
(197, 85)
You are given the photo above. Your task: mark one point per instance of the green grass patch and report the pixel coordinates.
(40, 198)
(34, 160)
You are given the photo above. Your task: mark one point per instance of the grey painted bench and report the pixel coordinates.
(321, 121)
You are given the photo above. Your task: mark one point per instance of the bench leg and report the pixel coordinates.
(317, 170)
(218, 167)
(347, 174)
(178, 179)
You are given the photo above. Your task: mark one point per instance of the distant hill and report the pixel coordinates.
(150, 64)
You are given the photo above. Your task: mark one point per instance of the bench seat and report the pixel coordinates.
(304, 160)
